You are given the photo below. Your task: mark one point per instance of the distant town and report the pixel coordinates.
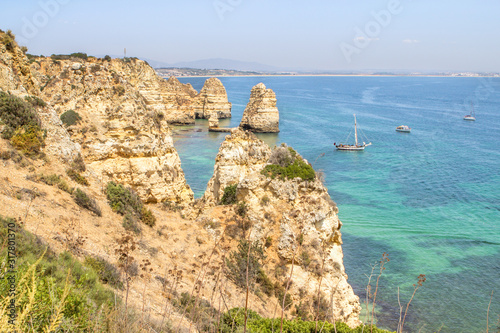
(180, 72)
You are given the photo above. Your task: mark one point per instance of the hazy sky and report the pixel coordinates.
(430, 35)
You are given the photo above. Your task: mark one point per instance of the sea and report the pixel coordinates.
(429, 199)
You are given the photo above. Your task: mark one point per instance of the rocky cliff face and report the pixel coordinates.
(261, 114)
(124, 130)
(15, 73)
(295, 219)
(240, 154)
(178, 99)
(212, 100)
(17, 78)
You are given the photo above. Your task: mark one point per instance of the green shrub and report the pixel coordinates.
(70, 118)
(298, 168)
(131, 223)
(234, 321)
(83, 200)
(106, 272)
(107, 58)
(229, 196)
(126, 202)
(16, 113)
(237, 316)
(59, 57)
(123, 200)
(241, 209)
(29, 139)
(148, 218)
(287, 164)
(9, 40)
(77, 177)
(237, 263)
(79, 55)
(53, 180)
(280, 293)
(35, 101)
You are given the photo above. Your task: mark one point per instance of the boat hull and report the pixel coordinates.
(470, 118)
(350, 148)
(403, 130)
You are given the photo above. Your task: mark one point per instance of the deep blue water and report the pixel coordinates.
(431, 198)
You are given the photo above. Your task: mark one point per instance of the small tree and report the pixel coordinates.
(229, 196)
(238, 260)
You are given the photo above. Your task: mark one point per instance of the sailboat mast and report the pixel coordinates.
(355, 131)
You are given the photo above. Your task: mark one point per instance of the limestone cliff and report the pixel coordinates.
(240, 154)
(296, 219)
(124, 132)
(178, 99)
(212, 100)
(261, 114)
(15, 73)
(17, 78)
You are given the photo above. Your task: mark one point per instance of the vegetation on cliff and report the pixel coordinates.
(234, 321)
(21, 122)
(53, 293)
(229, 196)
(70, 118)
(287, 164)
(126, 202)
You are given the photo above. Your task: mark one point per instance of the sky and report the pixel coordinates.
(335, 35)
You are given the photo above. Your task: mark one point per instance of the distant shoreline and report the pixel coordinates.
(336, 75)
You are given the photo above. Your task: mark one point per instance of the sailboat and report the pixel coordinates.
(356, 146)
(472, 115)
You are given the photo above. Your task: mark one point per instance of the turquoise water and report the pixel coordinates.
(431, 198)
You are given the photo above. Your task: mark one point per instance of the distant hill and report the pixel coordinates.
(219, 63)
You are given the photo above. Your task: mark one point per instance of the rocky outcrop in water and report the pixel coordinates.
(294, 218)
(212, 100)
(261, 114)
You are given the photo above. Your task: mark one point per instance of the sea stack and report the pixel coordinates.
(212, 100)
(261, 114)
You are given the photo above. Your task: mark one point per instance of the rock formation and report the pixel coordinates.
(261, 114)
(178, 100)
(240, 154)
(213, 122)
(17, 78)
(124, 129)
(296, 219)
(212, 100)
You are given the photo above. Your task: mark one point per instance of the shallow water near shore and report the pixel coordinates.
(430, 198)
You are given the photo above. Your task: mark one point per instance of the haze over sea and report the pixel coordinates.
(430, 199)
